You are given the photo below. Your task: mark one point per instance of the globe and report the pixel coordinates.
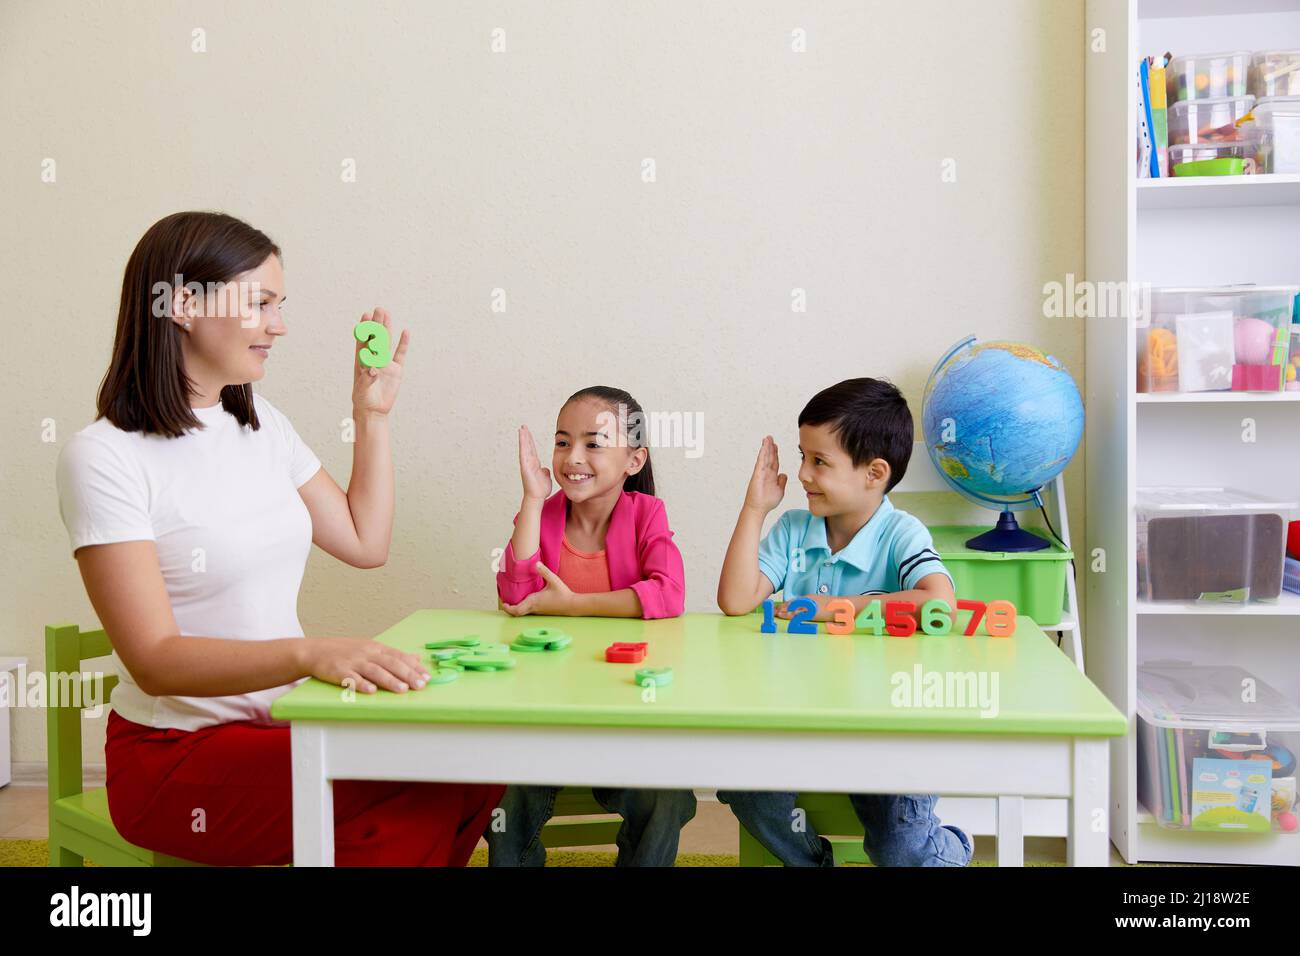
(1001, 420)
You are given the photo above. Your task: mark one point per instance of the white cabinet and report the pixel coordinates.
(1178, 233)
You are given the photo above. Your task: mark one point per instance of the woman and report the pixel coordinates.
(192, 504)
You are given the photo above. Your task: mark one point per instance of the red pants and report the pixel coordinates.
(238, 776)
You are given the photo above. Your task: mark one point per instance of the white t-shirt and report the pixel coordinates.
(222, 507)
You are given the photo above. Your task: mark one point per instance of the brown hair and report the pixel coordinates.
(145, 388)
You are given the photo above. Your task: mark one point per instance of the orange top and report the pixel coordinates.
(583, 572)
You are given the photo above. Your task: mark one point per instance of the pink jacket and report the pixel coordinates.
(638, 546)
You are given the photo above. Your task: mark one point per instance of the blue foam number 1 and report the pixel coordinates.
(802, 611)
(769, 622)
(376, 353)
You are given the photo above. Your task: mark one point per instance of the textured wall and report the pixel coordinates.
(522, 170)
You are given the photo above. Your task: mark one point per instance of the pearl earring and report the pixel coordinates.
(187, 325)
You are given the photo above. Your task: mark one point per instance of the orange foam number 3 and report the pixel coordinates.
(376, 353)
(842, 623)
(1000, 619)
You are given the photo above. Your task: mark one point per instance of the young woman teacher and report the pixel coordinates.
(192, 504)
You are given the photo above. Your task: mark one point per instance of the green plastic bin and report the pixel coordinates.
(1034, 581)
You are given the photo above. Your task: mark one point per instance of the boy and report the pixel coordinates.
(855, 439)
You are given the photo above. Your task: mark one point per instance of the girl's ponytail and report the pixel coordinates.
(635, 423)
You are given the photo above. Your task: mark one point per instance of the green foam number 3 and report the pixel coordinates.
(377, 353)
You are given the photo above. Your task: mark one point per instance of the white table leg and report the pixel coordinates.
(1011, 831)
(1088, 843)
(313, 798)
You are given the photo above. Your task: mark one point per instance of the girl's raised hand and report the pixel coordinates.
(767, 484)
(536, 479)
(374, 390)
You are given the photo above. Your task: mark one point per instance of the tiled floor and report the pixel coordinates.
(23, 817)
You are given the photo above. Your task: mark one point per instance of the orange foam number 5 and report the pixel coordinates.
(843, 621)
(377, 353)
(1000, 619)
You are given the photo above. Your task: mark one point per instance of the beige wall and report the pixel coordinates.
(522, 170)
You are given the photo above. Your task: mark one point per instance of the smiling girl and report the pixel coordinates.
(599, 547)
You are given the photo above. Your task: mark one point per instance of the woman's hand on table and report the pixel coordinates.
(554, 598)
(363, 664)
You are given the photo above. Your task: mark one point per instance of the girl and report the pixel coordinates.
(599, 547)
(191, 504)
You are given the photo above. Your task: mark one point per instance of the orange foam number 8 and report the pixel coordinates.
(376, 354)
(843, 621)
(1000, 619)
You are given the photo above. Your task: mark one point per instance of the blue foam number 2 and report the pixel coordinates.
(802, 611)
(376, 354)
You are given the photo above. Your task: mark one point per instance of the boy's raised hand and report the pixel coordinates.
(767, 484)
(536, 479)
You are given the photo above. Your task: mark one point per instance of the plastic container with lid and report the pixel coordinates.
(1211, 757)
(1291, 374)
(1209, 544)
(1275, 73)
(1208, 121)
(1207, 76)
(1279, 117)
(1216, 159)
(1224, 338)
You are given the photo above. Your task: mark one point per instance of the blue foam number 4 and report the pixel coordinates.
(802, 611)
(377, 352)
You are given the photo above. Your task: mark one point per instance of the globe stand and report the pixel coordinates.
(1007, 536)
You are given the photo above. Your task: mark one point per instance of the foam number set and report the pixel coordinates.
(896, 619)
(378, 351)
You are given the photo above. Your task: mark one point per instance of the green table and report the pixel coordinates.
(983, 716)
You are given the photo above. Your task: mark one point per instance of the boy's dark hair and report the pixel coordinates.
(870, 418)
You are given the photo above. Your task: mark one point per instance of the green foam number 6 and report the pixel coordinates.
(376, 354)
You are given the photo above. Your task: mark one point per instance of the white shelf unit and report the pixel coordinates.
(1183, 232)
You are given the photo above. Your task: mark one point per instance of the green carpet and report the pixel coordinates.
(36, 853)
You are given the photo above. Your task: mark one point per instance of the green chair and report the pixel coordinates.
(80, 827)
(828, 813)
(579, 802)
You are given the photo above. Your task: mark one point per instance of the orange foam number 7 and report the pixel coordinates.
(376, 354)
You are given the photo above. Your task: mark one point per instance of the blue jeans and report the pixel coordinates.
(652, 823)
(900, 829)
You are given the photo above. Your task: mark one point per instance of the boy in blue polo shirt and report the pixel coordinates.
(855, 439)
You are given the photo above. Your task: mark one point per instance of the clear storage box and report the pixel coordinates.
(1279, 118)
(1209, 545)
(1211, 756)
(1207, 76)
(1239, 158)
(1275, 73)
(1207, 121)
(1216, 339)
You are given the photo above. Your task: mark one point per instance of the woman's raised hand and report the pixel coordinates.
(374, 390)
